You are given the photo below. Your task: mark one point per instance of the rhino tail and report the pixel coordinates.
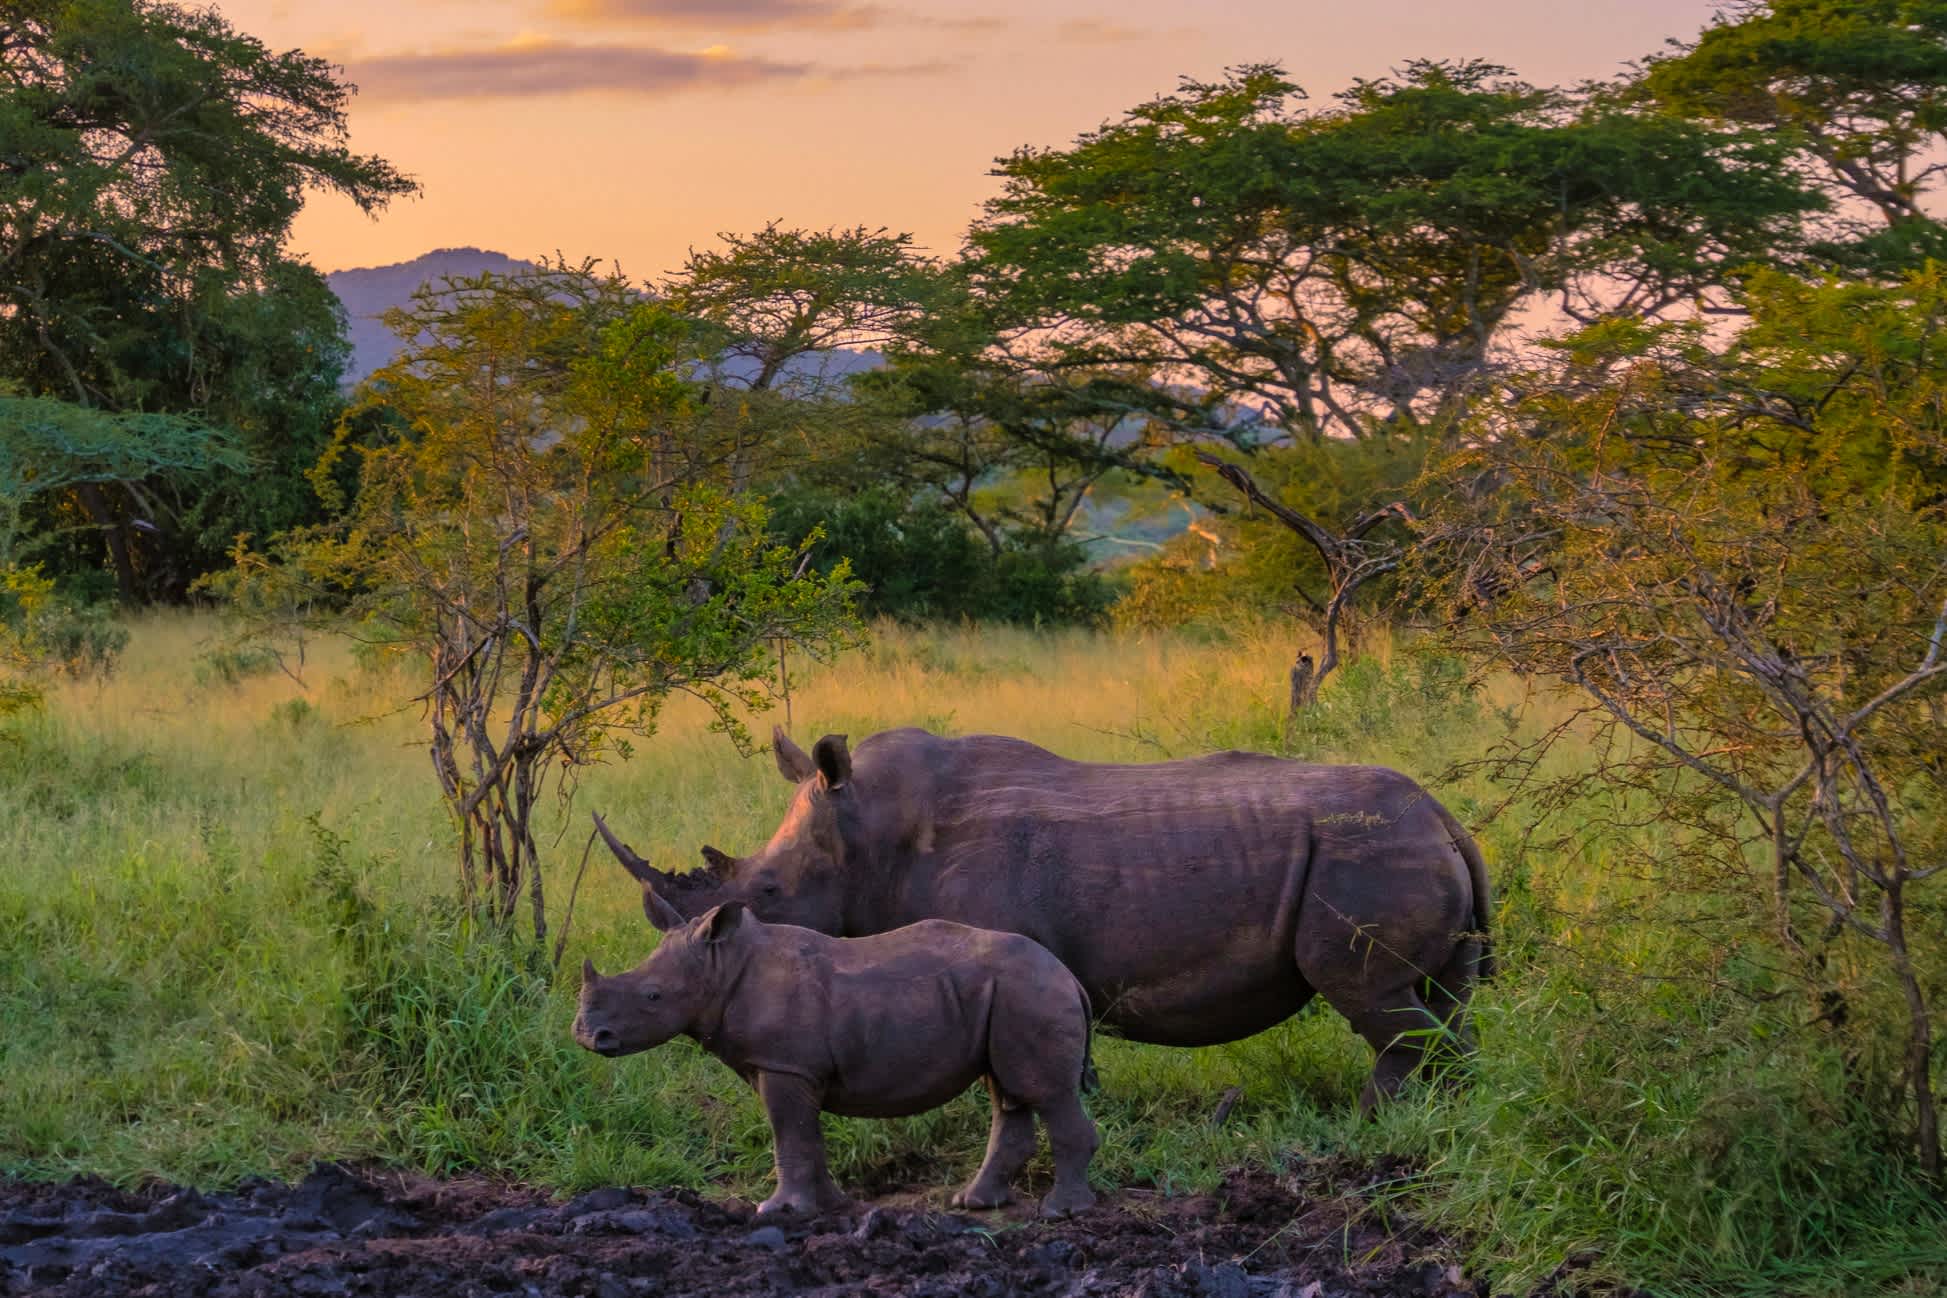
(1090, 1081)
(1470, 852)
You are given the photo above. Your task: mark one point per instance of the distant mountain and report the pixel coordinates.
(369, 292)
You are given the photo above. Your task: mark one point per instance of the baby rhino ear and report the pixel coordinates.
(722, 922)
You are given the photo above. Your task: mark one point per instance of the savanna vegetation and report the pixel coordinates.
(1582, 453)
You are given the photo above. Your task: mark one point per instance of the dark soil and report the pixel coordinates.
(341, 1232)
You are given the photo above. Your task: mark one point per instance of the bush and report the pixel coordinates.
(43, 632)
(234, 664)
(920, 561)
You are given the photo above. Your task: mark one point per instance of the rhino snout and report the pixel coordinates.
(601, 1040)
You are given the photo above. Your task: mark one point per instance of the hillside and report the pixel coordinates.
(369, 292)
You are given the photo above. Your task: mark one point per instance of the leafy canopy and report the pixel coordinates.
(154, 160)
(1347, 270)
(1857, 88)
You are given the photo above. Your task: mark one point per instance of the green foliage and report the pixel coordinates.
(156, 160)
(1688, 1140)
(49, 446)
(1348, 269)
(920, 561)
(1857, 88)
(234, 664)
(43, 634)
(777, 299)
(1735, 554)
(546, 526)
(1241, 566)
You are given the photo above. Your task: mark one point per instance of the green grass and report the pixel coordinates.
(226, 949)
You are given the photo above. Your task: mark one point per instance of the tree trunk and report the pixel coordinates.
(115, 534)
(1303, 695)
(1919, 1041)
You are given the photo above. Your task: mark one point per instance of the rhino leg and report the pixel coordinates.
(1446, 996)
(1010, 1143)
(804, 1182)
(1072, 1138)
(1397, 1025)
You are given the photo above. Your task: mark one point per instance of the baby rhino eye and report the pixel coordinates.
(655, 996)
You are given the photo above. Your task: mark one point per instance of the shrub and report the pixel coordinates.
(920, 561)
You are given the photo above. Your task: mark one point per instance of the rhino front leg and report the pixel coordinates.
(1010, 1143)
(804, 1183)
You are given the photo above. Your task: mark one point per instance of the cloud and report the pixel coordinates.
(533, 67)
(530, 68)
(1101, 31)
(722, 15)
(981, 25)
(762, 15)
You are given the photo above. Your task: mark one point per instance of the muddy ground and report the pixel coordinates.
(341, 1232)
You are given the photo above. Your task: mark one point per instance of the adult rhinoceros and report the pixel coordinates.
(1197, 901)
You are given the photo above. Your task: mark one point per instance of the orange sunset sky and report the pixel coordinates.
(635, 129)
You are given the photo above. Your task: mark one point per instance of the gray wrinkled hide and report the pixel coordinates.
(881, 1026)
(1197, 901)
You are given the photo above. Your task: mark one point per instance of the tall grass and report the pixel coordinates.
(226, 948)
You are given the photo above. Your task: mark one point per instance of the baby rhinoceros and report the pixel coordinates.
(877, 1027)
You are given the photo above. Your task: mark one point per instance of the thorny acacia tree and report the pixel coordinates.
(1275, 274)
(1739, 558)
(1346, 270)
(1857, 89)
(547, 528)
(1012, 447)
(783, 318)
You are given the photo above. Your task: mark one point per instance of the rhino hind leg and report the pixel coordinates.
(1073, 1140)
(1446, 995)
(1010, 1143)
(1398, 1025)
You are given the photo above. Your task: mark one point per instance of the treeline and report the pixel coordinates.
(1227, 266)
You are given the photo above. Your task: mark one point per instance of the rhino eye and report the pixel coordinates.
(770, 890)
(655, 996)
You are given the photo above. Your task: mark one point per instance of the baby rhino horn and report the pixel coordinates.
(588, 975)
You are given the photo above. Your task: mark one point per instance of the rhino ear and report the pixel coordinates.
(722, 921)
(721, 864)
(792, 763)
(834, 761)
(661, 914)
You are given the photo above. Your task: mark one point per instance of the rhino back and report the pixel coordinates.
(1168, 884)
(910, 1010)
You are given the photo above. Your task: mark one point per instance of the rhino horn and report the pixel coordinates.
(588, 975)
(643, 872)
(662, 915)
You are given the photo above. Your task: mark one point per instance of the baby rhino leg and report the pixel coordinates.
(1072, 1137)
(1037, 1047)
(1010, 1143)
(804, 1183)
